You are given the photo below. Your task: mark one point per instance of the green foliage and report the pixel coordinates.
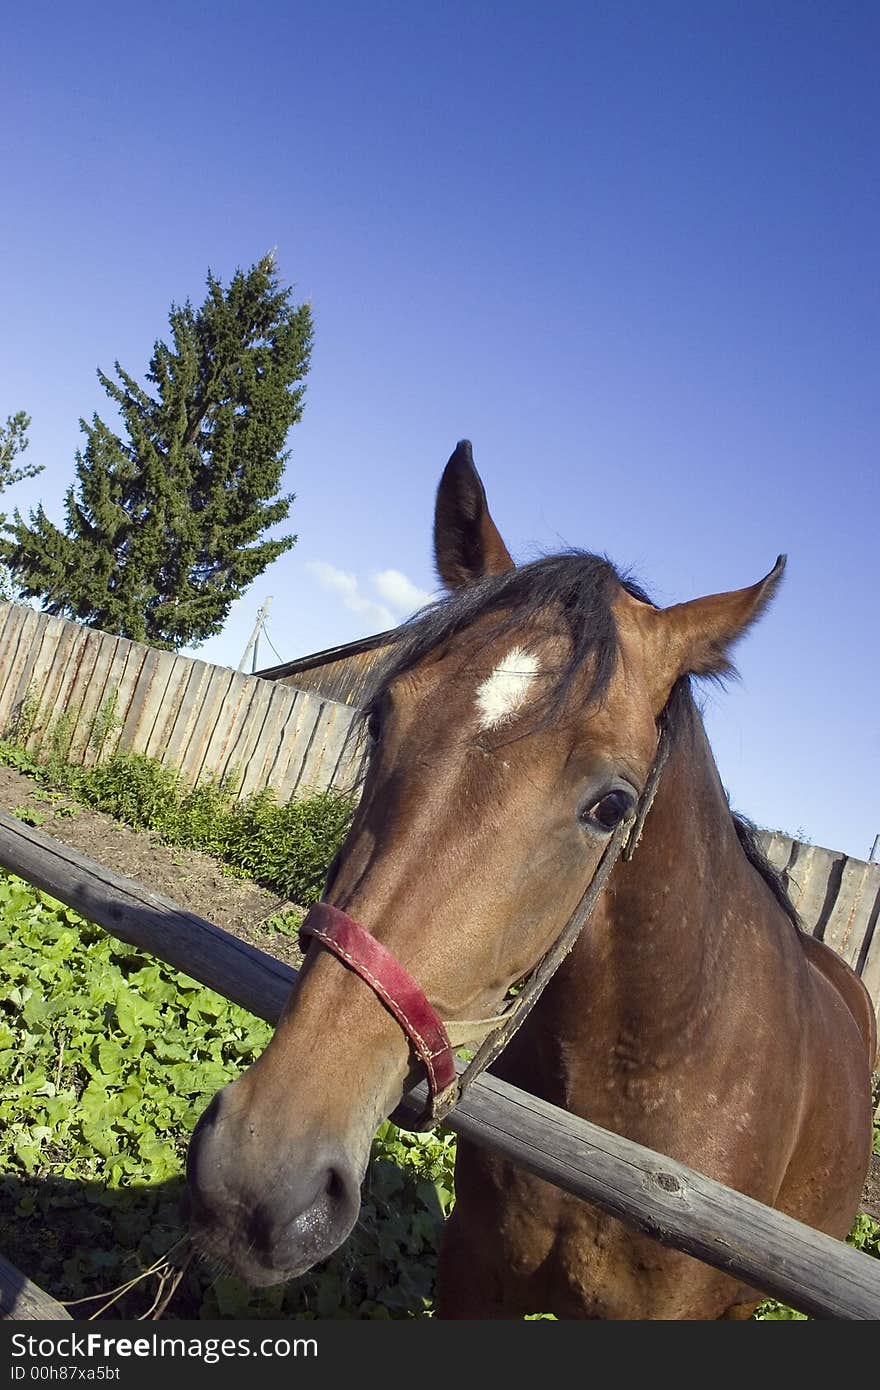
(14, 755)
(24, 718)
(107, 1059)
(771, 1311)
(286, 923)
(105, 724)
(131, 787)
(60, 738)
(288, 846)
(165, 524)
(13, 442)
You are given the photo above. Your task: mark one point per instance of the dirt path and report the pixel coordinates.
(190, 878)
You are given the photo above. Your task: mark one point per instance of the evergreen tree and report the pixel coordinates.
(164, 526)
(14, 441)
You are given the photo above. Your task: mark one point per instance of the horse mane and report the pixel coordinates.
(580, 587)
(773, 877)
(575, 584)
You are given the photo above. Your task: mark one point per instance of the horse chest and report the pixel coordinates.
(516, 1245)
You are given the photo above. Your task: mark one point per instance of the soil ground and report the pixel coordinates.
(194, 880)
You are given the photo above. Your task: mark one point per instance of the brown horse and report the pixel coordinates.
(514, 730)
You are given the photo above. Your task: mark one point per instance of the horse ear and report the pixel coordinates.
(467, 545)
(699, 634)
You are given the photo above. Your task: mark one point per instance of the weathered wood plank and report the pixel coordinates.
(317, 773)
(171, 680)
(777, 848)
(18, 636)
(848, 921)
(146, 700)
(189, 713)
(349, 768)
(193, 765)
(48, 672)
(127, 665)
(657, 1195)
(72, 687)
(285, 735)
(222, 736)
(306, 781)
(247, 739)
(87, 695)
(103, 693)
(22, 1301)
(801, 882)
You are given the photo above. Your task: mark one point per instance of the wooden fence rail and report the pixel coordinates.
(655, 1194)
(21, 1301)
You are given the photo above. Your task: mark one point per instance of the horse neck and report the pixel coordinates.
(656, 959)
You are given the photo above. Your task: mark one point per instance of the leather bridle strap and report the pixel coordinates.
(397, 989)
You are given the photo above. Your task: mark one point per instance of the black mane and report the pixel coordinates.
(575, 584)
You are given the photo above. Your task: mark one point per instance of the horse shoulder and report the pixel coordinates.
(847, 984)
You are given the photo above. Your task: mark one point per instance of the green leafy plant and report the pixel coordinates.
(285, 923)
(14, 755)
(60, 738)
(105, 724)
(24, 718)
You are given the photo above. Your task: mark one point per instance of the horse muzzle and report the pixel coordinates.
(266, 1225)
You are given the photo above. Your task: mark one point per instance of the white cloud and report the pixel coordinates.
(347, 586)
(402, 597)
(399, 592)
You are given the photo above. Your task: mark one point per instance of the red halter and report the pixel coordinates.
(397, 989)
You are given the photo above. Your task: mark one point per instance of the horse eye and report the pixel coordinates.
(608, 812)
(374, 725)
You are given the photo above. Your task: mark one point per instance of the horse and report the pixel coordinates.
(512, 735)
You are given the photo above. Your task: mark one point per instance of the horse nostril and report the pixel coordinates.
(335, 1188)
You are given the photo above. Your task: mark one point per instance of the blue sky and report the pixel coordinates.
(629, 249)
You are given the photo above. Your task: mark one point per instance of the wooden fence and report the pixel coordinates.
(87, 693)
(646, 1190)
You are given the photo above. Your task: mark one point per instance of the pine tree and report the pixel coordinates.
(13, 442)
(164, 525)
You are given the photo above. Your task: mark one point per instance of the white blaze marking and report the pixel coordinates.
(504, 692)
